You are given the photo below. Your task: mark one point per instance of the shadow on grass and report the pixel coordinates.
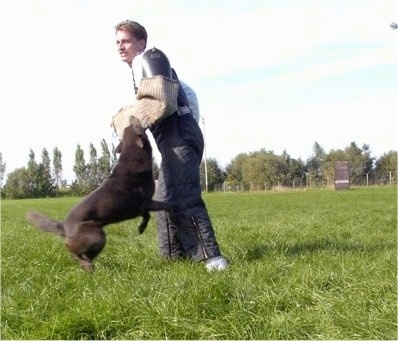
(264, 250)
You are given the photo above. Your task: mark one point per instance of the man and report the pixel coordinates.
(166, 108)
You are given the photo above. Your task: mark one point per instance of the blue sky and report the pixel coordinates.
(278, 75)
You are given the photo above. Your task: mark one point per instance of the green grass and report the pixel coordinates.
(305, 265)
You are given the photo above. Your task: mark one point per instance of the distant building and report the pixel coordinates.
(341, 175)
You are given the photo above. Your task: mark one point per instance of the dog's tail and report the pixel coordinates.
(45, 223)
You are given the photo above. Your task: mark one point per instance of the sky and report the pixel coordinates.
(274, 75)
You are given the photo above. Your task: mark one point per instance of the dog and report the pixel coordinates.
(125, 194)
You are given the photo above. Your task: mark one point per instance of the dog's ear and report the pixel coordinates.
(140, 139)
(119, 148)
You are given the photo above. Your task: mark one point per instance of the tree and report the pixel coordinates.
(104, 162)
(354, 156)
(18, 184)
(292, 170)
(234, 171)
(368, 161)
(297, 172)
(329, 164)
(315, 165)
(274, 169)
(57, 168)
(215, 175)
(80, 185)
(360, 162)
(43, 181)
(2, 170)
(386, 167)
(114, 157)
(257, 169)
(31, 175)
(92, 170)
(264, 168)
(32, 182)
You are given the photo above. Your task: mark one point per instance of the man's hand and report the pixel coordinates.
(156, 99)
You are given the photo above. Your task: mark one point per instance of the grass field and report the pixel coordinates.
(305, 265)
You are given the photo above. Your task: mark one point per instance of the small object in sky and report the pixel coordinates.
(393, 25)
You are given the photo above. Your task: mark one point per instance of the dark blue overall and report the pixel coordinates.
(180, 142)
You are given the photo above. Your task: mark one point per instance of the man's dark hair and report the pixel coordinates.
(134, 28)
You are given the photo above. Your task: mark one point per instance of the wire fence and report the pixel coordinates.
(388, 179)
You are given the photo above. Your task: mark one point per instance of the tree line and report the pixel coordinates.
(264, 169)
(260, 170)
(44, 179)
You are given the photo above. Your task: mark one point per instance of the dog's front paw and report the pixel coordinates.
(141, 227)
(144, 223)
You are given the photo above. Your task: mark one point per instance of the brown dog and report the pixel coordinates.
(125, 194)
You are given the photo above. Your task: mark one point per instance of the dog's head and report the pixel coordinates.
(135, 148)
(133, 134)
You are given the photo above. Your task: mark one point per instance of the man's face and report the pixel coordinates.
(128, 47)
